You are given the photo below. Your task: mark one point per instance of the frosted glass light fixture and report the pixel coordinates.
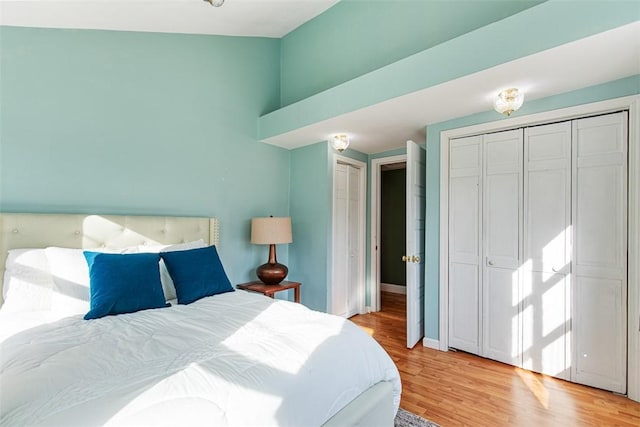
(340, 142)
(508, 101)
(215, 3)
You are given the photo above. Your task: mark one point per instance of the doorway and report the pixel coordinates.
(388, 230)
(413, 257)
(393, 236)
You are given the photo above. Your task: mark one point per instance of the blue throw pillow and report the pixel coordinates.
(122, 283)
(196, 273)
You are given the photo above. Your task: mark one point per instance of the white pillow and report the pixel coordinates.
(70, 273)
(167, 283)
(28, 284)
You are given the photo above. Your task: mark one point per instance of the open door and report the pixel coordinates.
(414, 258)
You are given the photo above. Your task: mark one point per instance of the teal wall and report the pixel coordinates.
(611, 90)
(311, 206)
(477, 50)
(143, 123)
(355, 37)
(393, 226)
(311, 193)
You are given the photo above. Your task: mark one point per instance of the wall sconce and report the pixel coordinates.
(340, 142)
(271, 231)
(508, 101)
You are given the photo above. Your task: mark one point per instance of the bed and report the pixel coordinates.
(232, 359)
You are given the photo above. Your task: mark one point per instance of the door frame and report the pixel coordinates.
(376, 188)
(362, 229)
(630, 103)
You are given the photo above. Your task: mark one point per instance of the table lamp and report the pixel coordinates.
(271, 231)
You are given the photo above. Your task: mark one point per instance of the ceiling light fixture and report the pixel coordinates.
(340, 142)
(215, 3)
(508, 101)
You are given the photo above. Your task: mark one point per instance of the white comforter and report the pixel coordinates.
(235, 359)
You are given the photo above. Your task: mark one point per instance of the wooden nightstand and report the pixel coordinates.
(270, 290)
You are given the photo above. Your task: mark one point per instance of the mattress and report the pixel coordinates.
(234, 359)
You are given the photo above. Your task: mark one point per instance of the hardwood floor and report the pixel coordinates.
(456, 388)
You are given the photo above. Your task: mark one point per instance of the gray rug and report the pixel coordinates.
(408, 419)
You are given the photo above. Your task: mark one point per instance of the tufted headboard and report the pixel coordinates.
(22, 230)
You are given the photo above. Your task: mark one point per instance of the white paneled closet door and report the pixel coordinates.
(600, 251)
(353, 254)
(547, 250)
(339, 302)
(538, 248)
(502, 215)
(346, 256)
(465, 220)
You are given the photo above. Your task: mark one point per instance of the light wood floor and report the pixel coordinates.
(455, 388)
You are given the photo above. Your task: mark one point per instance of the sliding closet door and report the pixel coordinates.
(547, 249)
(600, 251)
(465, 220)
(502, 214)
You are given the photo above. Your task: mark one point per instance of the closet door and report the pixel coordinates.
(600, 251)
(353, 215)
(341, 241)
(465, 220)
(502, 214)
(547, 249)
(346, 249)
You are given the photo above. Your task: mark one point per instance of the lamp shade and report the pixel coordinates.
(271, 231)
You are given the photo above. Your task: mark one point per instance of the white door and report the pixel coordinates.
(416, 190)
(353, 249)
(600, 251)
(345, 296)
(339, 299)
(547, 250)
(465, 220)
(502, 215)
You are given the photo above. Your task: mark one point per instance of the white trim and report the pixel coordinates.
(633, 278)
(375, 224)
(601, 107)
(443, 321)
(631, 103)
(431, 343)
(362, 229)
(394, 289)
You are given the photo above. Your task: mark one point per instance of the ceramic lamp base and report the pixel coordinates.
(272, 273)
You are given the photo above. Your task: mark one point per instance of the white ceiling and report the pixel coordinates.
(601, 58)
(265, 18)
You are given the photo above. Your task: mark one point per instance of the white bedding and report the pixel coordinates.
(234, 359)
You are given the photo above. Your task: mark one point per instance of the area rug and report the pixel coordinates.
(408, 419)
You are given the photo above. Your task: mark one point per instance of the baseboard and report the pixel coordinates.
(431, 343)
(395, 289)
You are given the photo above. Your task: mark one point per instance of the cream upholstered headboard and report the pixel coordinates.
(22, 230)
